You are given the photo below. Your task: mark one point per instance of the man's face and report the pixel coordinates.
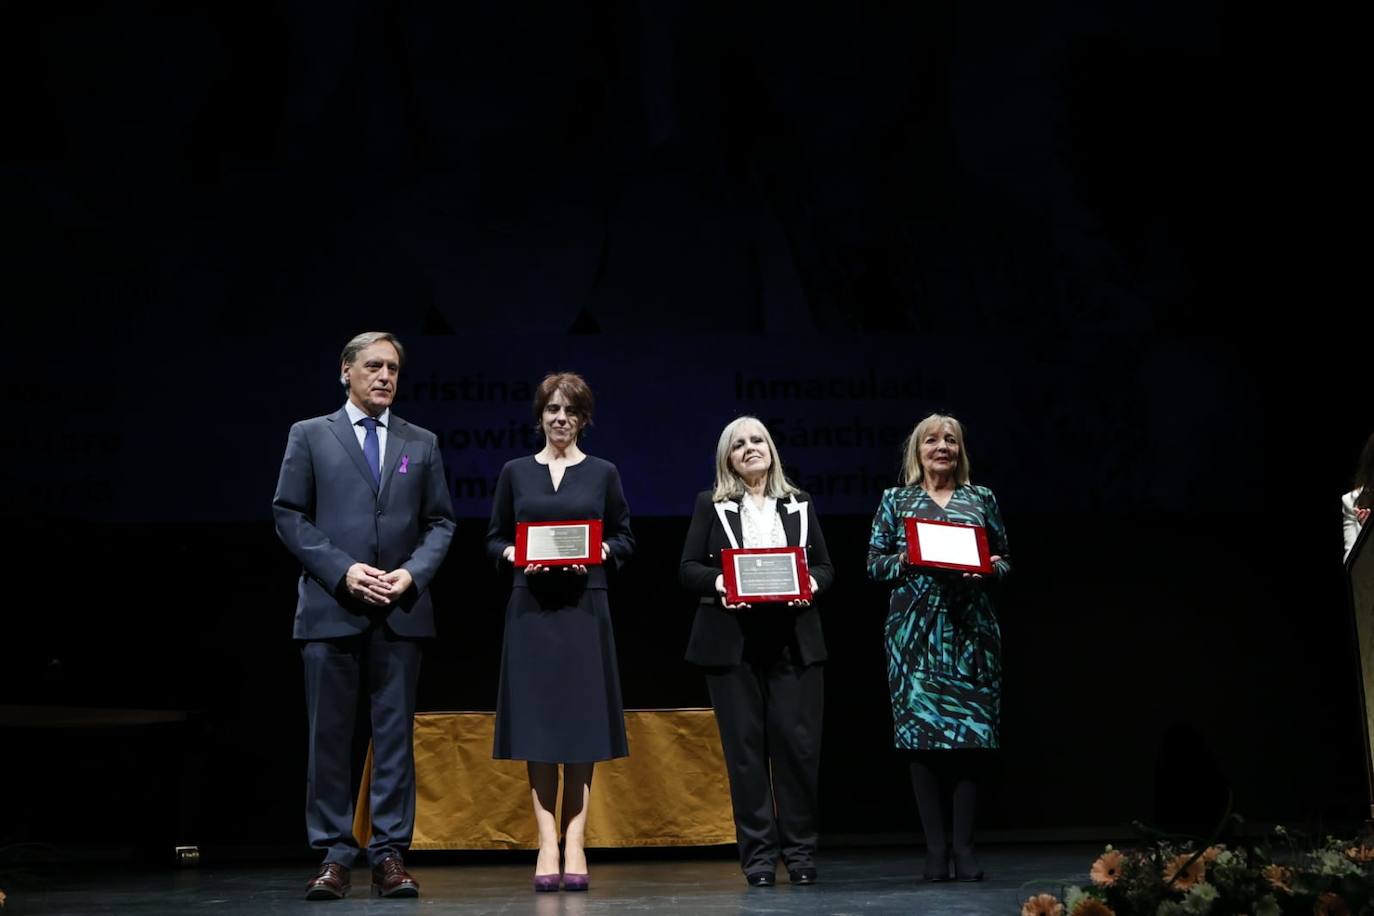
(373, 376)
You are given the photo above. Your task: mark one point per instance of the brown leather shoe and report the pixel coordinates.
(330, 884)
(390, 879)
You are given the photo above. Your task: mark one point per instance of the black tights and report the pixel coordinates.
(946, 787)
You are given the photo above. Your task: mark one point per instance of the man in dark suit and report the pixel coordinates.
(363, 503)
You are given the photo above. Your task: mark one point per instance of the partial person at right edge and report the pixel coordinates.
(1356, 504)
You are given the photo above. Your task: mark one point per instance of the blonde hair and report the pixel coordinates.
(912, 472)
(728, 483)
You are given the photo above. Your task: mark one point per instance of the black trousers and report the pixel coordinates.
(387, 666)
(769, 712)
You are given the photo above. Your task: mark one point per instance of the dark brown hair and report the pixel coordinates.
(577, 392)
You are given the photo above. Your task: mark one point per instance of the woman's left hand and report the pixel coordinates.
(1361, 515)
(993, 559)
(581, 568)
(805, 602)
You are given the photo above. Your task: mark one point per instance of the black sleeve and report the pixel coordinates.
(698, 571)
(817, 554)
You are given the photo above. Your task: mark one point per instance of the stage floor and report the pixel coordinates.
(857, 881)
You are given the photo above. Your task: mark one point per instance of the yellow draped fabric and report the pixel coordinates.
(671, 791)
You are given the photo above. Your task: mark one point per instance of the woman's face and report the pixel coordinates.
(560, 421)
(749, 455)
(939, 452)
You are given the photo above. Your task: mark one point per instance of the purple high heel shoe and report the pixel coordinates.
(545, 883)
(572, 882)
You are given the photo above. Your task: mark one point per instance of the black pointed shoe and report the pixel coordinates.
(937, 864)
(966, 866)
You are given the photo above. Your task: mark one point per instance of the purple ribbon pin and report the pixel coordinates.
(405, 463)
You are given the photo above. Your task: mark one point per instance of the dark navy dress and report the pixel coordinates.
(559, 697)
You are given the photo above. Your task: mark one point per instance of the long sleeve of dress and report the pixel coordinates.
(886, 543)
(997, 536)
(615, 526)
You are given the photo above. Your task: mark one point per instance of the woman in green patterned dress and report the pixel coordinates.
(943, 644)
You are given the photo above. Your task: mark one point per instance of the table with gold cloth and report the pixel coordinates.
(671, 791)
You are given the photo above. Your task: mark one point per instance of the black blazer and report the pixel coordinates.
(718, 635)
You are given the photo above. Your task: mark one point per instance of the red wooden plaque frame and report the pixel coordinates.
(732, 595)
(593, 543)
(913, 547)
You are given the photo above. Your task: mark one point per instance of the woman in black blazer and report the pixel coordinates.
(763, 662)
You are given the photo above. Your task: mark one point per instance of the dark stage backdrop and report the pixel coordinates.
(837, 219)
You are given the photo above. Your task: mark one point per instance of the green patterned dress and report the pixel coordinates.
(944, 648)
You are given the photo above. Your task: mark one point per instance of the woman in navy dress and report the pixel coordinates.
(944, 647)
(559, 697)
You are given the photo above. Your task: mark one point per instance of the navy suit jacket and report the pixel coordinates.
(331, 514)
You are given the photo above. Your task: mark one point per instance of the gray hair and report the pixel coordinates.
(363, 341)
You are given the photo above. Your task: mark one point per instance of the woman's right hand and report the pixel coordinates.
(720, 592)
(530, 569)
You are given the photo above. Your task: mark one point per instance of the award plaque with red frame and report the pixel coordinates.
(572, 543)
(948, 545)
(765, 574)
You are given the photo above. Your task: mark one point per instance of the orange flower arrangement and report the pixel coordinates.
(1042, 905)
(1090, 906)
(1279, 878)
(1333, 876)
(1107, 868)
(1181, 877)
(1330, 904)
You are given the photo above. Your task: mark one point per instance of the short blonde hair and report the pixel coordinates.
(728, 483)
(912, 472)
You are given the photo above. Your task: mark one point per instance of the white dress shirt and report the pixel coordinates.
(356, 413)
(761, 527)
(1350, 522)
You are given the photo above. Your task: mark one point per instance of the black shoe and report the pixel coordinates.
(802, 875)
(937, 864)
(760, 879)
(966, 866)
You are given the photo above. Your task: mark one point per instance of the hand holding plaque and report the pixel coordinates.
(765, 574)
(947, 545)
(571, 543)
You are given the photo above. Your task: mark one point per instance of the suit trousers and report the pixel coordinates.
(769, 711)
(387, 666)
